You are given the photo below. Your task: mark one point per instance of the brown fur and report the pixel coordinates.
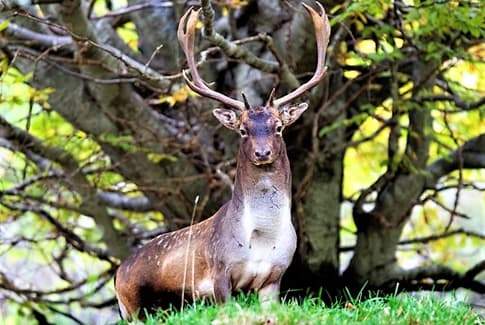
(154, 275)
(249, 243)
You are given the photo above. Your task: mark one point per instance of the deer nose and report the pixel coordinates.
(262, 154)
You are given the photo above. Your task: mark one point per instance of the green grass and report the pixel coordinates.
(401, 309)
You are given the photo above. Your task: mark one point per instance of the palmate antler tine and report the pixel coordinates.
(322, 34)
(186, 36)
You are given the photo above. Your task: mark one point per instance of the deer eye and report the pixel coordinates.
(243, 132)
(279, 129)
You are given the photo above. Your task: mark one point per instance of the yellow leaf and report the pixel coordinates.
(366, 46)
(180, 95)
(235, 4)
(351, 74)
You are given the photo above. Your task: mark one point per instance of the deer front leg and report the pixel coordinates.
(269, 293)
(222, 287)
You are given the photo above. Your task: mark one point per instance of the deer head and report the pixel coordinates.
(260, 127)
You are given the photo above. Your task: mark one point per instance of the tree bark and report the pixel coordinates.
(374, 261)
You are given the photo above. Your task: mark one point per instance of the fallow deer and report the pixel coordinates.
(249, 243)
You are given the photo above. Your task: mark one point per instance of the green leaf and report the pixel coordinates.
(4, 24)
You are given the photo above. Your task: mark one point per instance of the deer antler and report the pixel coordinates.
(322, 34)
(186, 35)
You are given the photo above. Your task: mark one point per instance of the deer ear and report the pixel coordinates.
(291, 113)
(227, 117)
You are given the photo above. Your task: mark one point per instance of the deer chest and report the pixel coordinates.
(268, 238)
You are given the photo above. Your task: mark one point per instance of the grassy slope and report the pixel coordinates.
(402, 309)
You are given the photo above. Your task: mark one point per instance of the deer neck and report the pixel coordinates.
(262, 195)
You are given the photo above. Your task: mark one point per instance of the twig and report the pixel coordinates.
(143, 71)
(187, 252)
(133, 8)
(427, 239)
(232, 50)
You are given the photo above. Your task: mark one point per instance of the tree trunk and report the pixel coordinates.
(318, 186)
(374, 261)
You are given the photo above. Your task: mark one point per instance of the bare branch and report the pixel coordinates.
(229, 48)
(133, 8)
(19, 32)
(439, 277)
(75, 179)
(427, 239)
(87, 38)
(186, 36)
(73, 239)
(472, 153)
(463, 105)
(453, 96)
(322, 34)
(119, 201)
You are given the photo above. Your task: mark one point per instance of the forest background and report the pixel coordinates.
(103, 146)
